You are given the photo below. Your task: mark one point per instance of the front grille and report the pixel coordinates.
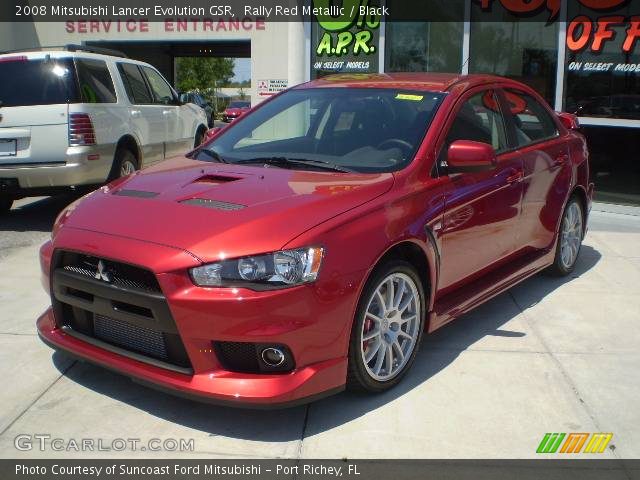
(116, 305)
(119, 274)
(131, 337)
(237, 356)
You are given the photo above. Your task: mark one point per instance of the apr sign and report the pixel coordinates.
(345, 39)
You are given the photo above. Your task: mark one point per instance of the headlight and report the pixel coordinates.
(261, 272)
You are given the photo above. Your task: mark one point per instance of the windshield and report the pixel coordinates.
(36, 82)
(352, 129)
(239, 105)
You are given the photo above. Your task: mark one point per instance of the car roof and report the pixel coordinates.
(433, 82)
(62, 53)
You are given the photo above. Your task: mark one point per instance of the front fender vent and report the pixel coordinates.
(214, 204)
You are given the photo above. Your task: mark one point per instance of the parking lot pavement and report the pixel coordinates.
(551, 355)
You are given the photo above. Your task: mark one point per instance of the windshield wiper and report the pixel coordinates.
(295, 162)
(209, 153)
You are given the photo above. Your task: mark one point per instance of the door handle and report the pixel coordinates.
(561, 159)
(515, 175)
(135, 113)
(167, 112)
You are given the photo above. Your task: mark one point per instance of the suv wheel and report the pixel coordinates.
(125, 163)
(199, 138)
(5, 204)
(387, 329)
(569, 239)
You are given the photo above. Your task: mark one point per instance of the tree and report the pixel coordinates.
(201, 73)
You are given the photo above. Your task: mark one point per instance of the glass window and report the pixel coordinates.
(524, 49)
(480, 120)
(433, 46)
(162, 92)
(602, 75)
(361, 129)
(531, 120)
(96, 85)
(134, 84)
(423, 47)
(36, 82)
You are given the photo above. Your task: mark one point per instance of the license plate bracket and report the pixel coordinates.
(8, 147)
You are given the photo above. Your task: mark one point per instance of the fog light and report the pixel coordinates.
(273, 357)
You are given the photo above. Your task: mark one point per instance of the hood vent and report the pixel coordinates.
(136, 193)
(213, 204)
(215, 179)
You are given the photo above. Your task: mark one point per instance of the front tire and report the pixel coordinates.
(569, 239)
(387, 329)
(5, 204)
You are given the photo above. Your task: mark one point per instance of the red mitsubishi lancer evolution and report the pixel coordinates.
(307, 247)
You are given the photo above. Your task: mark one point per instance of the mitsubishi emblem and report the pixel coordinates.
(102, 273)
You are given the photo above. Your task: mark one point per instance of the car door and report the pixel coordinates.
(167, 100)
(146, 118)
(481, 208)
(546, 167)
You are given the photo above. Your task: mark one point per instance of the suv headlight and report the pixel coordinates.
(262, 272)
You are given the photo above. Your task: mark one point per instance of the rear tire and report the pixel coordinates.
(124, 163)
(569, 239)
(5, 204)
(387, 329)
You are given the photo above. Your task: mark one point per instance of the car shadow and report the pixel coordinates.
(438, 351)
(37, 215)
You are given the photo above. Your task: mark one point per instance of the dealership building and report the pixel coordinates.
(583, 56)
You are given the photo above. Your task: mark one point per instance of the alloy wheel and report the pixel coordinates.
(391, 327)
(127, 168)
(571, 235)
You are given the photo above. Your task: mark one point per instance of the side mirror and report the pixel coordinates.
(212, 132)
(569, 120)
(469, 156)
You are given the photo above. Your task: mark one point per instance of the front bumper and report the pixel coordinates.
(217, 386)
(312, 321)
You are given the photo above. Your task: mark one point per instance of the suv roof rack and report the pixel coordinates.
(72, 48)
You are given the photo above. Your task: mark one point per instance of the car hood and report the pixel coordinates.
(217, 211)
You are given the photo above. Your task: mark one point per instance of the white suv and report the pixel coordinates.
(79, 115)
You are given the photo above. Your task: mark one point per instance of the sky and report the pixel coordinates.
(242, 69)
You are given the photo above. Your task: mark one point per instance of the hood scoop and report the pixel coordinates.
(213, 204)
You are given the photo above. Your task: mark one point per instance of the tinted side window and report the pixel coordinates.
(162, 92)
(137, 90)
(96, 85)
(531, 120)
(480, 120)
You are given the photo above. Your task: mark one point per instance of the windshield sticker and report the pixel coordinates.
(408, 96)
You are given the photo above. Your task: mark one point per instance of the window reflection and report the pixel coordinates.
(603, 83)
(522, 49)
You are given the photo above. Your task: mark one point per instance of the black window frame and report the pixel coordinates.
(76, 62)
(174, 100)
(127, 86)
(439, 168)
(511, 124)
